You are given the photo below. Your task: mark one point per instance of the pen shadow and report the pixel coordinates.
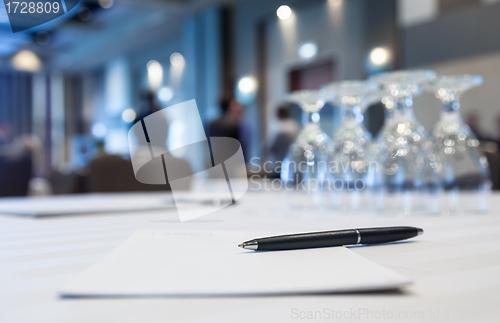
(347, 246)
(379, 244)
(387, 292)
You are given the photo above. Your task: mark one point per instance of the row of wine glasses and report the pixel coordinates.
(405, 168)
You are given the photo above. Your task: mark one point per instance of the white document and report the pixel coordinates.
(83, 204)
(204, 263)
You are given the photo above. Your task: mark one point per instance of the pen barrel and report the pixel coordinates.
(390, 234)
(336, 238)
(309, 240)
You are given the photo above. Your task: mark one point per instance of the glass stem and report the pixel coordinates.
(403, 108)
(349, 112)
(451, 106)
(306, 117)
(451, 112)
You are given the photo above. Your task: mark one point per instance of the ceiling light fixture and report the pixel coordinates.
(284, 12)
(106, 4)
(99, 130)
(27, 61)
(380, 56)
(165, 94)
(176, 59)
(128, 115)
(155, 74)
(308, 50)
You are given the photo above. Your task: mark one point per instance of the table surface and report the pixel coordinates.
(455, 267)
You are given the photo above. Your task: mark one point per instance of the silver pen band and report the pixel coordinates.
(359, 236)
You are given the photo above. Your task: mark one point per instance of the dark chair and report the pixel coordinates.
(63, 182)
(112, 173)
(492, 153)
(15, 174)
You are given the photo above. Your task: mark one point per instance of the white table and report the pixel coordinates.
(455, 266)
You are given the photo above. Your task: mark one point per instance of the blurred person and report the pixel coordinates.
(105, 164)
(5, 133)
(148, 105)
(287, 131)
(472, 120)
(231, 123)
(26, 146)
(101, 148)
(497, 134)
(31, 146)
(20, 163)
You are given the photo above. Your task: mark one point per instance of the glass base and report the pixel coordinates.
(458, 202)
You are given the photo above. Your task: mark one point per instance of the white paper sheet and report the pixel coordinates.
(204, 263)
(48, 206)
(83, 204)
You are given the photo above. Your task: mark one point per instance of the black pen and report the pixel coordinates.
(332, 238)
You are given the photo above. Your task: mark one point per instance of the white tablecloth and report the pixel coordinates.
(455, 266)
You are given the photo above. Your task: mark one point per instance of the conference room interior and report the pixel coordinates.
(71, 89)
(107, 111)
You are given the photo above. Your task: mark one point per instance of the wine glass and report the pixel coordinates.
(304, 168)
(409, 169)
(464, 168)
(350, 149)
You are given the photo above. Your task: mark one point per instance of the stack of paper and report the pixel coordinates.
(181, 263)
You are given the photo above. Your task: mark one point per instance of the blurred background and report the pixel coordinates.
(71, 88)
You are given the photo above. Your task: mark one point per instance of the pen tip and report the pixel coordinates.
(252, 245)
(420, 231)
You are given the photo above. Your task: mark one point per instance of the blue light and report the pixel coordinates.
(315, 117)
(246, 89)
